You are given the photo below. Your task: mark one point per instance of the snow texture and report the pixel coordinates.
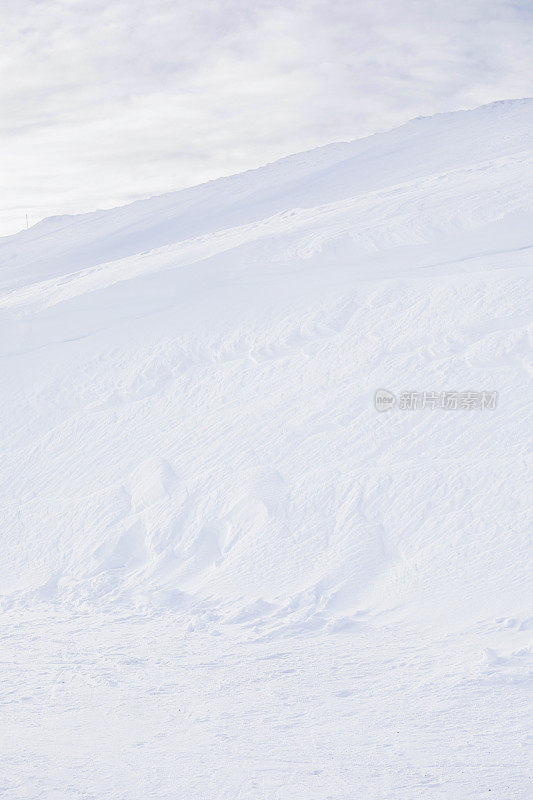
(223, 573)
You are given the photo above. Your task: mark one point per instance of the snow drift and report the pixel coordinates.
(188, 383)
(214, 548)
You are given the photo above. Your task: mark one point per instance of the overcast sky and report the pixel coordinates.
(105, 101)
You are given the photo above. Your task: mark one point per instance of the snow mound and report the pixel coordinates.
(188, 387)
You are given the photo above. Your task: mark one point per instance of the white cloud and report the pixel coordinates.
(103, 102)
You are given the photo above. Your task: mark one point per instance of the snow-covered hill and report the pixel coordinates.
(190, 448)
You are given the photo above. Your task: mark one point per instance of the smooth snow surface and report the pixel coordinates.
(223, 573)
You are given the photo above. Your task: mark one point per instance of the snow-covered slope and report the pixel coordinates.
(189, 428)
(339, 182)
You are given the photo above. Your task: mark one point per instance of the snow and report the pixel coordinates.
(224, 574)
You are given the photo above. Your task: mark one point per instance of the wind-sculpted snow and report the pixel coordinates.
(191, 454)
